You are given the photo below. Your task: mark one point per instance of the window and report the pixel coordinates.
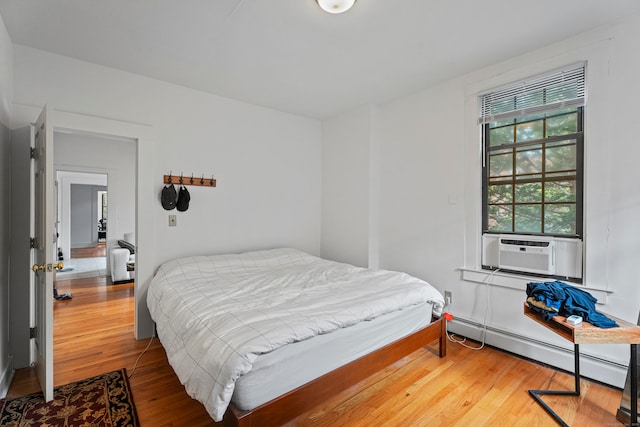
(532, 134)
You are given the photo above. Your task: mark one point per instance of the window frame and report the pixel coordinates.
(578, 136)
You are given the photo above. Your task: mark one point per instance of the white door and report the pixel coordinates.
(44, 251)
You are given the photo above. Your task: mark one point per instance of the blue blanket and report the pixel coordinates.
(568, 300)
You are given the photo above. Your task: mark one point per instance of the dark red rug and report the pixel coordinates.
(104, 400)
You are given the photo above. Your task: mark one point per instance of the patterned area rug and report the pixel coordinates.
(104, 400)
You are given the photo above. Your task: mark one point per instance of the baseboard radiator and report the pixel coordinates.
(499, 337)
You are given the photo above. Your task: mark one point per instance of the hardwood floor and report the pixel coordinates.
(99, 250)
(93, 334)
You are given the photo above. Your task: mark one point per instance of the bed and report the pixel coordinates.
(260, 337)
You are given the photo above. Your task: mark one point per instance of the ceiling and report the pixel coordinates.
(290, 55)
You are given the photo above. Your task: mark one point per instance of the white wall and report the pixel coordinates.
(6, 75)
(6, 94)
(421, 196)
(346, 143)
(430, 195)
(252, 151)
(267, 163)
(623, 152)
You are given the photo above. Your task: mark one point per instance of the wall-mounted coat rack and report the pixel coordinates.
(182, 180)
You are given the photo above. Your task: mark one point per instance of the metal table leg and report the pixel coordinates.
(630, 415)
(633, 420)
(576, 374)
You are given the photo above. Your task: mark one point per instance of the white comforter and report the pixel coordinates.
(216, 314)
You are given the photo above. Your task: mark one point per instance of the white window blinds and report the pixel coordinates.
(557, 90)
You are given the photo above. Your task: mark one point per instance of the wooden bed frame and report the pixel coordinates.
(296, 402)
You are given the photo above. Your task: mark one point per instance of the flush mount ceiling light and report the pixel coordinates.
(335, 6)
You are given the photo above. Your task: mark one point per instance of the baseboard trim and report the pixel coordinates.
(591, 366)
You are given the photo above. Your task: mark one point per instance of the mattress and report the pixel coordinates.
(217, 316)
(291, 366)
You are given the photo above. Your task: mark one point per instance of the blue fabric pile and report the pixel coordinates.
(551, 298)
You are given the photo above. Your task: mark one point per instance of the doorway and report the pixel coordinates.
(141, 138)
(81, 224)
(96, 178)
(144, 183)
(95, 181)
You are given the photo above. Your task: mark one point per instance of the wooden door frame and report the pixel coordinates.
(146, 198)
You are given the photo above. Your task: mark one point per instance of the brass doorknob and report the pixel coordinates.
(37, 267)
(58, 266)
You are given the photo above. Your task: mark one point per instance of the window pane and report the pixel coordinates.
(500, 194)
(529, 131)
(568, 90)
(501, 136)
(500, 123)
(500, 179)
(502, 106)
(560, 156)
(562, 125)
(530, 118)
(560, 219)
(529, 160)
(560, 191)
(529, 193)
(499, 218)
(528, 219)
(500, 165)
(562, 111)
(530, 99)
(571, 174)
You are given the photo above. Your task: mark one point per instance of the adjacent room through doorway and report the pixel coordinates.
(81, 224)
(95, 180)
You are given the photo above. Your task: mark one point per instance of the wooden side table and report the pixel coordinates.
(586, 333)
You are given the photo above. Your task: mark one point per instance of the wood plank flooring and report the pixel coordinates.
(96, 251)
(93, 334)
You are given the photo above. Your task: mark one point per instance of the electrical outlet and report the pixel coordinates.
(448, 298)
(172, 221)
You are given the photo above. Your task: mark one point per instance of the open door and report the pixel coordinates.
(43, 251)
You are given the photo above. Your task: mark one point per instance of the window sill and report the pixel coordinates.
(519, 282)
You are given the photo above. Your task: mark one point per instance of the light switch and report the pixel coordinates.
(172, 221)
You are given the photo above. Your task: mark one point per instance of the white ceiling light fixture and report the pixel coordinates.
(335, 6)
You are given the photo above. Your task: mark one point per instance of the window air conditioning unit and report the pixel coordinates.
(530, 254)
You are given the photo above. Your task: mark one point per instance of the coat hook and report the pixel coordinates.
(211, 182)
(180, 177)
(169, 180)
(202, 180)
(191, 180)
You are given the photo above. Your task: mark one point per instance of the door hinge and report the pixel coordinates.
(34, 153)
(32, 333)
(33, 243)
